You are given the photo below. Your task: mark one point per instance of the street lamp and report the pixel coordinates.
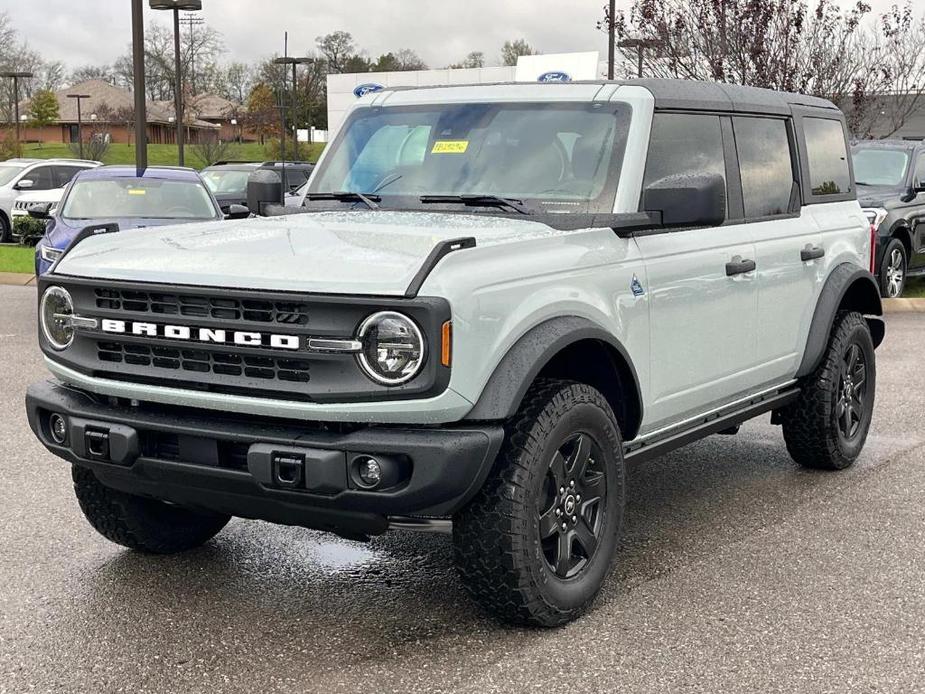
(138, 73)
(640, 45)
(16, 76)
(80, 127)
(176, 6)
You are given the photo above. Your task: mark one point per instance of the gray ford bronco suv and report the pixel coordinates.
(492, 300)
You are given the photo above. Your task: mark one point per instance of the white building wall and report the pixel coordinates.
(341, 87)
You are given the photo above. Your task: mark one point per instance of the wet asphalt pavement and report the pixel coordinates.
(738, 572)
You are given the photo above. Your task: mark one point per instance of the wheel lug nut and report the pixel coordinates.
(578, 497)
(564, 526)
(558, 512)
(574, 519)
(572, 484)
(562, 490)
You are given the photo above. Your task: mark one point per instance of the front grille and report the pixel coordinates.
(204, 362)
(196, 306)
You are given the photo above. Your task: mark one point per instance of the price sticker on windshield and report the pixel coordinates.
(450, 147)
(137, 191)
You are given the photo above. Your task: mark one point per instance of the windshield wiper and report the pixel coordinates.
(371, 201)
(477, 200)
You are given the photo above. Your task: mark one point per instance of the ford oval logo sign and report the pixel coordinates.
(554, 77)
(365, 89)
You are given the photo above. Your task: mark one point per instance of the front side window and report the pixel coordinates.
(64, 174)
(545, 154)
(920, 171)
(684, 144)
(827, 155)
(226, 181)
(41, 177)
(138, 198)
(880, 166)
(765, 164)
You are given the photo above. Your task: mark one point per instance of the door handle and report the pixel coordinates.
(811, 253)
(739, 266)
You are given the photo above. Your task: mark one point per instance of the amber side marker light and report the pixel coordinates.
(446, 351)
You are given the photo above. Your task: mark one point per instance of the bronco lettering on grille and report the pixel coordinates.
(193, 334)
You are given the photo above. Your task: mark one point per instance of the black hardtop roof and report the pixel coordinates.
(692, 95)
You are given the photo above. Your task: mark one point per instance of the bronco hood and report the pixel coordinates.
(350, 252)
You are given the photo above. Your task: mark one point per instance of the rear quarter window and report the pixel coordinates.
(827, 156)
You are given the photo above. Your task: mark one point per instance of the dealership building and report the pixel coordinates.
(344, 90)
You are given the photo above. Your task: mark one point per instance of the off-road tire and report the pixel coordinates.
(886, 264)
(810, 425)
(497, 539)
(145, 525)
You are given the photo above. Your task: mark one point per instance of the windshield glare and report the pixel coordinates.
(880, 167)
(551, 153)
(131, 198)
(228, 181)
(8, 173)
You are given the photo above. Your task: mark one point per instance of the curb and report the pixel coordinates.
(19, 279)
(904, 305)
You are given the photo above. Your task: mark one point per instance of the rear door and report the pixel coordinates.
(702, 318)
(790, 251)
(917, 214)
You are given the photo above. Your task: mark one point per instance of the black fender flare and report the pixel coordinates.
(508, 384)
(862, 292)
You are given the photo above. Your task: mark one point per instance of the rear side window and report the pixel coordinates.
(827, 155)
(64, 174)
(920, 170)
(683, 143)
(766, 166)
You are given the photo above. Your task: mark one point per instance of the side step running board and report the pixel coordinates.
(647, 450)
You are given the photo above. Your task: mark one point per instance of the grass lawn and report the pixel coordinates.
(163, 155)
(17, 259)
(915, 289)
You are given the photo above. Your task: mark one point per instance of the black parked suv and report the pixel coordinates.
(891, 189)
(228, 179)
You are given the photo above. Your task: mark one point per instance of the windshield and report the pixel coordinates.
(8, 173)
(562, 156)
(880, 167)
(224, 181)
(131, 198)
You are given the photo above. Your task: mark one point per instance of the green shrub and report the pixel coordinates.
(28, 230)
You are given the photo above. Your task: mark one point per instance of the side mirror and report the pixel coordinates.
(687, 201)
(236, 212)
(40, 210)
(264, 187)
(918, 187)
(25, 184)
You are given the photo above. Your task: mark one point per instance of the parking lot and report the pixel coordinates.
(738, 572)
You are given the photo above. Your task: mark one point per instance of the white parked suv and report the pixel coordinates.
(492, 300)
(18, 176)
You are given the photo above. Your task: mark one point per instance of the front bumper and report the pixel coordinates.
(233, 464)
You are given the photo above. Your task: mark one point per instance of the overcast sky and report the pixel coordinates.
(79, 32)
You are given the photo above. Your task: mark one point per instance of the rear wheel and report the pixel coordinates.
(826, 428)
(893, 269)
(146, 525)
(536, 544)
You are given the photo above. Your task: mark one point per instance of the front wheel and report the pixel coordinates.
(536, 544)
(827, 426)
(146, 525)
(6, 231)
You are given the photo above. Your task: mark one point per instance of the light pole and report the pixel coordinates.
(16, 76)
(640, 45)
(285, 60)
(612, 36)
(176, 6)
(80, 125)
(138, 70)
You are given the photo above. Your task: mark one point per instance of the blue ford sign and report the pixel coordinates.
(365, 89)
(554, 76)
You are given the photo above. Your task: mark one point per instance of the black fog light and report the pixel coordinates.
(57, 426)
(378, 473)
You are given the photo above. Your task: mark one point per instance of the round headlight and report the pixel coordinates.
(55, 312)
(393, 348)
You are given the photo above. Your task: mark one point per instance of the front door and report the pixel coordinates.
(702, 295)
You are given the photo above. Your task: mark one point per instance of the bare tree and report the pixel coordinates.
(211, 149)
